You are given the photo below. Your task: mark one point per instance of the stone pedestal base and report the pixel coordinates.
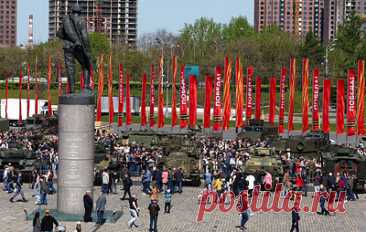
(76, 151)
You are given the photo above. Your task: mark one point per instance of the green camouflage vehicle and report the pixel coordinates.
(263, 159)
(258, 129)
(338, 159)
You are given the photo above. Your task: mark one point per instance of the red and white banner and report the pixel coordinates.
(272, 100)
(360, 98)
(120, 96)
(249, 99)
(292, 94)
(258, 88)
(208, 95)
(161, 94)
(326, 101)
(20, 120)
(100, 88)
(128, 101)
(351, 102)
(192, 101)
(227, 95)
(82, 80)
(110, 91)
(340, 107)
(217, 100)
(281, 115)
(305, 95)
(174, 95)
(6, 96)
(152, 97)
(37, 89)
(315, 107)
(183, 100)
(143, 100)
(49, 87)
(28, 91)
(239, 93)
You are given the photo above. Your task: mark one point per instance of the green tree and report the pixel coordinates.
(99, 43)
(312, 48)
(237, 29)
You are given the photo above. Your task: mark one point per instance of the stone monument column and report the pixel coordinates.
(76, 151)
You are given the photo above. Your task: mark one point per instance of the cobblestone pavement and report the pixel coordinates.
(183, 216)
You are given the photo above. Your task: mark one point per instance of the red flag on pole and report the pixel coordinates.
(100, 88)
(128, 103)
(161, 94)
(208, 95)
(183, 100)
(192, 101)
(305, 95)
(20, 121)
(360, 98)
(91, 78)
(152, 97)
(326, 100)
(58, 74)
(272, 100)
(37, 88)
(143, 101)
(351, 102)
(120, 95)
(49, 87)
(217, 106)
(239, 93)
(316, 99)
(110, 92)
(82, 81)
(249, 99)
(28, 91)
(174, 95)
(227, 95)
(292, 94)
(258, 89)
(281, 115)
(340, 107)
(6, 96)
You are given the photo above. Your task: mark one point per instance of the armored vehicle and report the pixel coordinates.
(339, 159)
(263, 159)
(258, 129)
(22, 161)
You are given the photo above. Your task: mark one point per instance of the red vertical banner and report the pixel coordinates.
(258, 88)
(36, 89)
(20, 120)
(59, 81)
(208, 96)
(183, 100)
(100, 88)
(120, 95)
(161, 94)
(281, 115)
(249, 99)
(28, 91)
(91, 78)
(110, 91)
(82, 81)
(192, 101)
(49, 87)
(292, 94)
(351, 102)
(6, 96)
(128, 101)
(239, 95)
(152, 97)
(340, 107)
(305, 95)
(143, 100)
(174, 94)
(272, 100)
(227, 95)
(68, 88)
(217, 100)
(326, 101)
(315, 107)
(360, 98)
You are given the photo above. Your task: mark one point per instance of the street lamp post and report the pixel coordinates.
(329, 48)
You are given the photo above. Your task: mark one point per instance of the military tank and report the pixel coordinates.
(263, 159)
(22, 161)
(339, 159)
(258, 129)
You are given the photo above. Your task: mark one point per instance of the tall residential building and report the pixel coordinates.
(8, 23)
(337, 11)
(116, 18)
(294, 16)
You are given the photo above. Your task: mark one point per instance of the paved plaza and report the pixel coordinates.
(183, 216)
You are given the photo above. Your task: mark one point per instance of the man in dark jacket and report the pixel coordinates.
(127, 183)
(178, 176)
(47, 222)
(331, 182)
(18, 189)
(154, 212)
(88, 206)
(295, 219)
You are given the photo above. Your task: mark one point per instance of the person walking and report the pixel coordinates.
(18, 189)
(43, 192)
(154, 212)
(100, 208)
(47, 222)
(244, 214)
(178, 176)
(36, 222)
(127, 184)
(168, 200)
(105, 181)
(323, 199)
(134, 211)
(295, 219)
(88, 206)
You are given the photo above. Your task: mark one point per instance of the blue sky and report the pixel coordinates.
(152, 14)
